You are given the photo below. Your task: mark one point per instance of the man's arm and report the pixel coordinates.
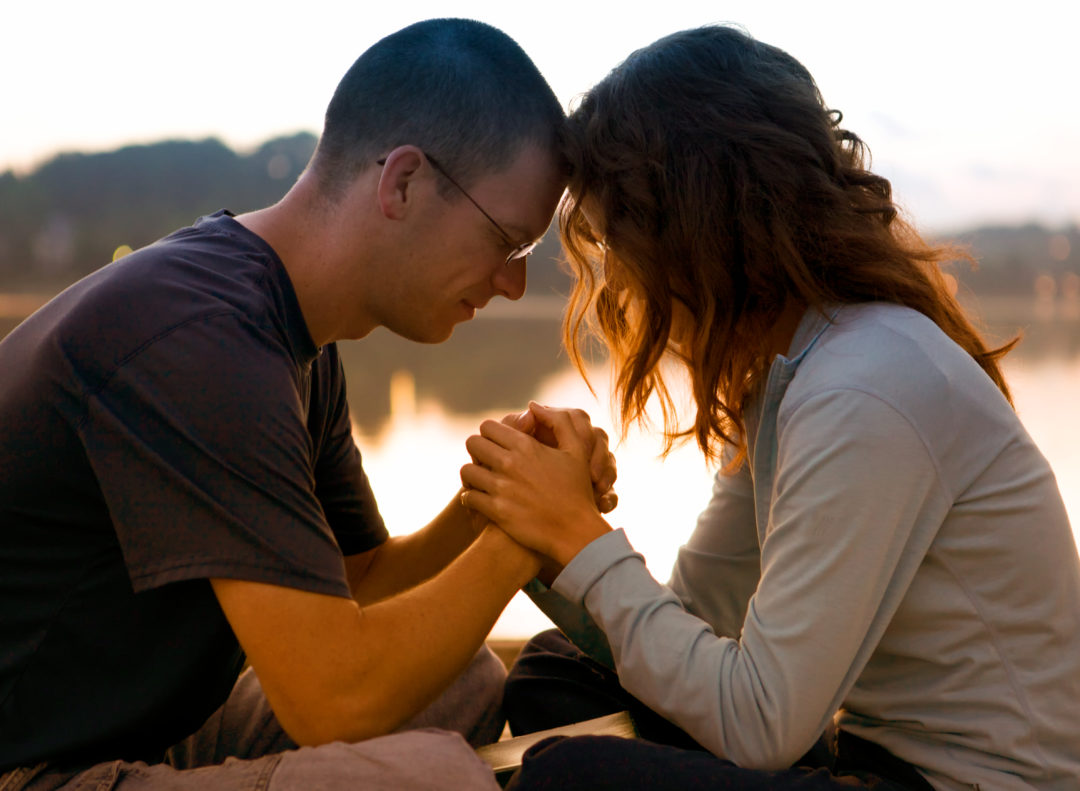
(333, 669)
(403, 562)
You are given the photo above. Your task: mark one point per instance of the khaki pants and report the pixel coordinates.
(243, 748)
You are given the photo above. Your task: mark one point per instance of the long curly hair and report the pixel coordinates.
(711, 187)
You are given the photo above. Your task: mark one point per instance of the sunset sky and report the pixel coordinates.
(970, 108)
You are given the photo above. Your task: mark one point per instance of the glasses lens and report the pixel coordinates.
(521, 251)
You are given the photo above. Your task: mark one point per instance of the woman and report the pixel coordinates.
(885, 546)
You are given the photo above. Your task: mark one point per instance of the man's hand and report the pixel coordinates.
(542, 496)
(602, 469)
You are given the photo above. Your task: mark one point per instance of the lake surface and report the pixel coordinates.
(413, 462)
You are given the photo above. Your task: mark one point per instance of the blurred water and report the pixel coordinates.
(413, 463)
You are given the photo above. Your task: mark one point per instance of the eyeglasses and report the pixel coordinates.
(517, 251)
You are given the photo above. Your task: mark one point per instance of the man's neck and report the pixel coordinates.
(303, 231)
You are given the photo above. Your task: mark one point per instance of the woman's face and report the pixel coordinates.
(682, 319)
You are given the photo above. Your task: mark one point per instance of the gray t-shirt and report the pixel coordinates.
(165, 420)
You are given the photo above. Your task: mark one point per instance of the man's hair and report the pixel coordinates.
(723, 184)
(461, 90)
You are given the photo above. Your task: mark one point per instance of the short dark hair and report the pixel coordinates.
(461, 90)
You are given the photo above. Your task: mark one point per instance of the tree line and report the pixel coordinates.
(75, 212)
(70, 215)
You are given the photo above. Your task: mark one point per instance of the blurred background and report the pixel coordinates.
(125, 120)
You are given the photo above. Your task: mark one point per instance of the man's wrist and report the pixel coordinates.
(521, 563)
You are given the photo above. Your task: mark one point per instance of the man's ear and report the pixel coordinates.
(399, 171)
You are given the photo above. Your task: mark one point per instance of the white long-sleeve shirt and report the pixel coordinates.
(896, 550)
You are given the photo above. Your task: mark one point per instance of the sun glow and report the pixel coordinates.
(413, 463)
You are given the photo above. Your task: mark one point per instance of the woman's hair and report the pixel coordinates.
(724, 190)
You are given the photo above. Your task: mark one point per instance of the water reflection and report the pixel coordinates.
(502, 358)
(413, 462)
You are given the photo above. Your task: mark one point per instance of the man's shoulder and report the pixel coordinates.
(174, 291)
(212, 264)
(191, 274)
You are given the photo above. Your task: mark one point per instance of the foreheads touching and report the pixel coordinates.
(460, 90)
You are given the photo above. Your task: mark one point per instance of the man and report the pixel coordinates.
(178, 483)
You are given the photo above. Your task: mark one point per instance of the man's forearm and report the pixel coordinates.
(405, 561)
(431, 633)
(349, 672)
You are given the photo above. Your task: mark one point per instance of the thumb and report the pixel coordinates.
(526, 422)
(522, 421)
(558, 422)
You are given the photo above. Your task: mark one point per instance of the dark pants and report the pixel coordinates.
(553, 683)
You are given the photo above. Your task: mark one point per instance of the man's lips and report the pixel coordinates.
(475, 305)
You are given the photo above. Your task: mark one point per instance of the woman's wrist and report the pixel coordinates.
(586, 531)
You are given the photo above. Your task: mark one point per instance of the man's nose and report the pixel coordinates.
(509, 279)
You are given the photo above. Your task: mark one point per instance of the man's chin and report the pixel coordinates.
(428, 335)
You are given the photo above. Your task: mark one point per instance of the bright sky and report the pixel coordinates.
(969, 107)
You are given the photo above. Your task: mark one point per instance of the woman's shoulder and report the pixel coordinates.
(892, 352)
(897, 356)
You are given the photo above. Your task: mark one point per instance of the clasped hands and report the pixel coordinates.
(544, 477)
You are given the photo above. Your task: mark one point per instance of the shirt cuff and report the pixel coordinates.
(591, 563)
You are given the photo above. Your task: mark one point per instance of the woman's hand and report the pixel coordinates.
(602, 469)
(543, 497)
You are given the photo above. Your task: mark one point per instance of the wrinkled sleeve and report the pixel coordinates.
(854, 491)
(341, 485)
(718, 568)
(723, 546)
(573, 620)
(201, 448)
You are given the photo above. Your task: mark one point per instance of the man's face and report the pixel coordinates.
(458, 262)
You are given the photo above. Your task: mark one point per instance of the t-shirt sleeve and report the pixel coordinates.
(341, 485)
(200, 445)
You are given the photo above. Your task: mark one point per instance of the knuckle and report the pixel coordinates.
(498, 511)
(509, 465)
